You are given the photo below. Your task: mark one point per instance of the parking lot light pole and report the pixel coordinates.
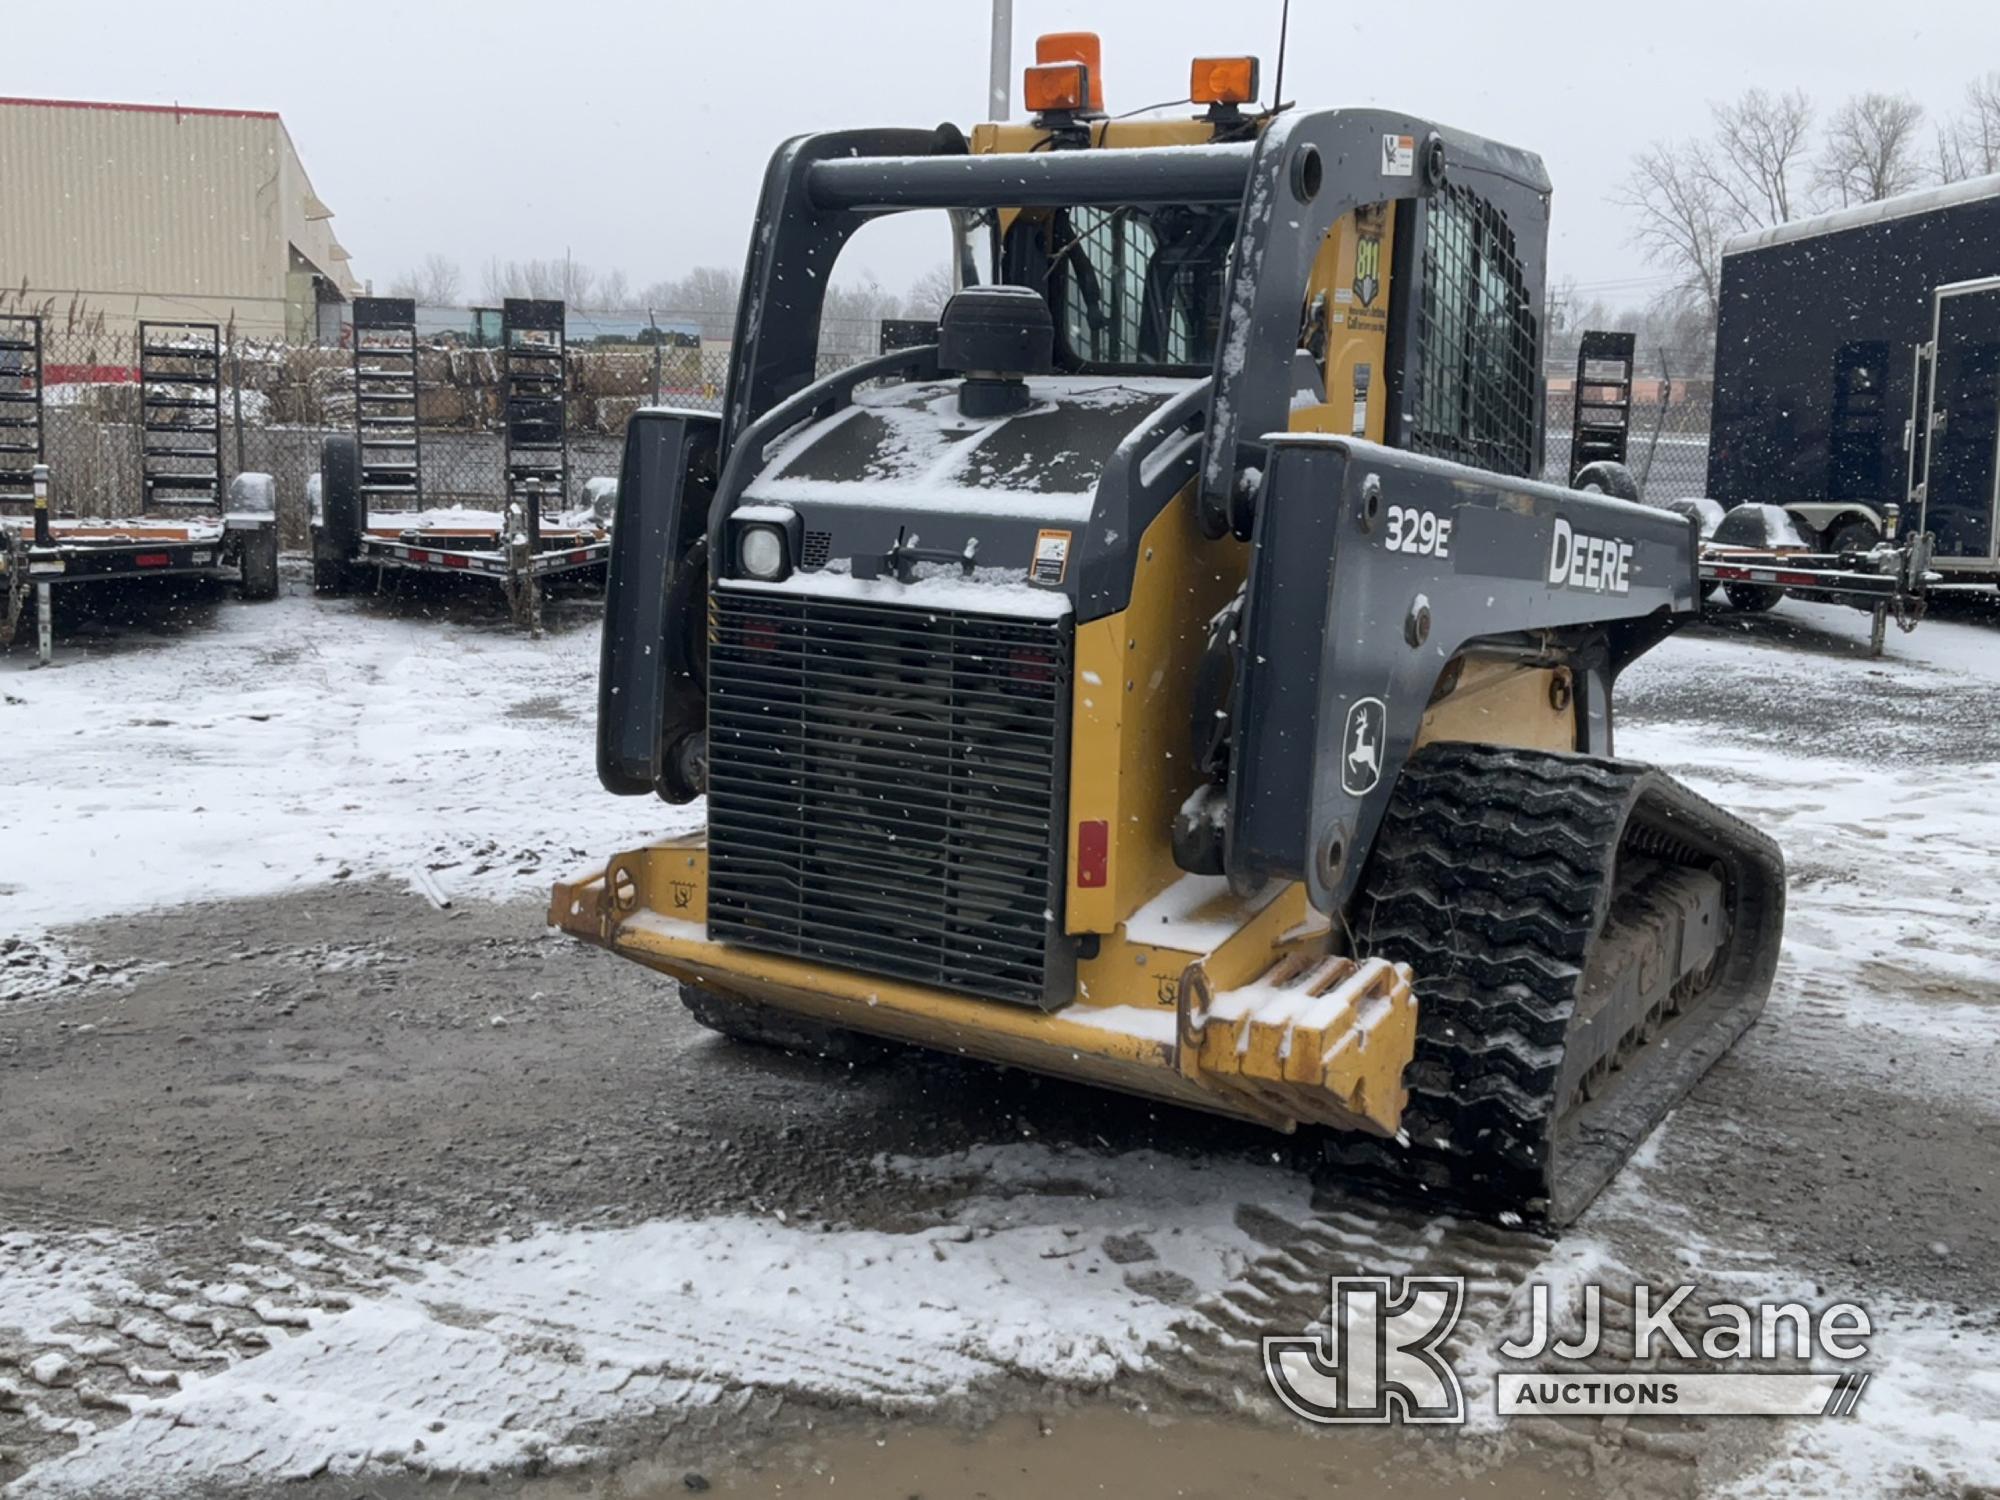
(1000, 65)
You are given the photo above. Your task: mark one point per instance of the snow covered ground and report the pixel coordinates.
(278, 748)
(274, 746)
(490, 1357)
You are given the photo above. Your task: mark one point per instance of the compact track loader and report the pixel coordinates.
(1172, 677)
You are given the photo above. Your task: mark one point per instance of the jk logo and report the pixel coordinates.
(1380, 1359)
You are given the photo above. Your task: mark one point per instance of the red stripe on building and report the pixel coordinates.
(155, 109)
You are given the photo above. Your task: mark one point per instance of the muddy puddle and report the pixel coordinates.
(1102, 1451)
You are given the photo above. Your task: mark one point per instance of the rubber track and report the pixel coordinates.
(765, 1026)
(1492, 876)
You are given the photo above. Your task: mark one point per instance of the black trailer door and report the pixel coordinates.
(1961, 459)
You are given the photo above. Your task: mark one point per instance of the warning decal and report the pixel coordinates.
(1051, 564)
(1399, 156)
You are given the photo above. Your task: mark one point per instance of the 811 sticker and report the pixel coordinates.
(1051, 564)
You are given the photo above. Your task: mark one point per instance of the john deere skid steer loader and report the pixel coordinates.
(1172, 677)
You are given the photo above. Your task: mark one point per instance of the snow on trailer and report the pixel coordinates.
(370, 515)
(187, 523)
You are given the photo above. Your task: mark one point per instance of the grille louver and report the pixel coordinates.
(886, 789)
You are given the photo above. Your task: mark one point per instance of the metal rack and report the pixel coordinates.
(1601, 427)
(534, 418)
(20, 407)
(180, 416)
(386, 427)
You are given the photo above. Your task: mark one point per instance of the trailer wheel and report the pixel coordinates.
(1752, 598)
(337, 533)
(258, 563)
(1607, 478)
(1852, 535)
(329, 577)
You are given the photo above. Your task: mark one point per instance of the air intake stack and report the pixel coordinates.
(996, 336)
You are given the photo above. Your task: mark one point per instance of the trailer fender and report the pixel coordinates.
(1823, 521)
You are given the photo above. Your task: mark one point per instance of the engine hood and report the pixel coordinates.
(1018, 494)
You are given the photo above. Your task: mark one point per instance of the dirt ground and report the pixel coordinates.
(326, 1094)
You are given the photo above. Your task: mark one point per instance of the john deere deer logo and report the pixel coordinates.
(1361, 758)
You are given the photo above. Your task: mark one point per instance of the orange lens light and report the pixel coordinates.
(1223, 80)
(1052, 87)
(1076, 47)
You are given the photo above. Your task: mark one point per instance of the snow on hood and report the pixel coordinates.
(909, 441)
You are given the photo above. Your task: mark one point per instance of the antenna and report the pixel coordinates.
(1284, 35)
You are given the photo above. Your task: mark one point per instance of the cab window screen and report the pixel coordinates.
(1478, 341)
(1139, 287)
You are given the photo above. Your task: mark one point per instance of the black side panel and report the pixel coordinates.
(647, 693)
(1370, 570)
(1813, 354)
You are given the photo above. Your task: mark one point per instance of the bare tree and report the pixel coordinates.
(434, 283)
(850, 319)
(1683, 217)
(1690, 196)
(707, 295)
(1758, 155)
(1871, 150)
(494, 280)
(565, 279)
(928, 293)
(1968, 145)
(614, 294)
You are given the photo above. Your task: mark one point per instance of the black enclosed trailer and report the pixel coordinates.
(1857, 375)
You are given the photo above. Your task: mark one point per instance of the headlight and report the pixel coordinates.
(761, 551)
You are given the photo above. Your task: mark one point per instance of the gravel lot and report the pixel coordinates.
(316, 1187)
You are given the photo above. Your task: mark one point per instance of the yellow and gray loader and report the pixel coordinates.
(1172, 677)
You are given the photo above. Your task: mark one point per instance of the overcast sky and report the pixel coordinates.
(633, 135)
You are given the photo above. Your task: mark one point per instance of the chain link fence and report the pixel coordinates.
(278, 402)
(1667, 449)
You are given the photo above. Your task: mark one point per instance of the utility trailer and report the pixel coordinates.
(188, 522)
(371, 517)
(1857, 377)
(1857, 371)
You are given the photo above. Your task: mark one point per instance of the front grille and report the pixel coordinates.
(886, 787)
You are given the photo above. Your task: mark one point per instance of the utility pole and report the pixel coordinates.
(1000, 69)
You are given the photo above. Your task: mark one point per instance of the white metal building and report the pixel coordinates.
(161, 211)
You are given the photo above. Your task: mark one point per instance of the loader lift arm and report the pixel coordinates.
(1568, 915)
(1372, 571)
